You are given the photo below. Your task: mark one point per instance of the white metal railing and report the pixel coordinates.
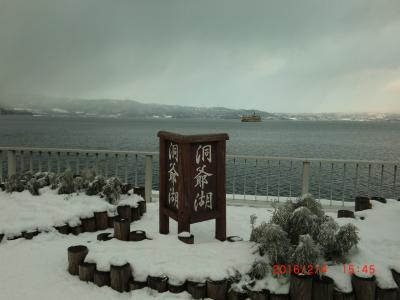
(14, 159)
(255, 178)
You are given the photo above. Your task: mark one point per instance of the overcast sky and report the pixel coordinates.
(278, 56)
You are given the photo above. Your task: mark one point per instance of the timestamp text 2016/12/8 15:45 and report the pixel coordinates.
(320, 269)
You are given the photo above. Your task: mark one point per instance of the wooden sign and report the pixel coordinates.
(192, 180)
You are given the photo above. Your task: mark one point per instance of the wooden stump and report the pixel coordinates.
(137, 235)
(1, 237)
(338, 295)
(198, 290)
(75, 230)
(86, 271)
(237, 295)
(259, 295)
(300, 287)
(140, 190)
(187, 239)
(125, 212)
(234, 238)
(396, 277)
(362, 203)
(88, 224)
(135, 213)
(110, 220)
(136, 285)
(158, 283)
(387, 294)
(343, 213)
(176, 288)
(121, 229)
(322, 288)
(364, 288)
(380, 199)
(142, 207)
(63, 229)
(119, 277)
(217, 289)
(76, 255)
(29, 234)
(102, 278)
(101, 220)
(106, 236)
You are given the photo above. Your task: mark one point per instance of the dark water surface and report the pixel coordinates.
(306, 139)
(312, 139)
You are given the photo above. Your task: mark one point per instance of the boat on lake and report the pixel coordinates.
(251, 118)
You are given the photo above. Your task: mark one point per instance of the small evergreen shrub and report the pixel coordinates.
(259, 269)
(346, 238)
(282, 215)
(306, 253)
(302, 221)
(33, 187)
(274, 242)
(112, 190)
(327, 238)
(96, 186)
(66, 185)
(307, 200)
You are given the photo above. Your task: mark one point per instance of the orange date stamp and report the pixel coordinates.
(299, 269)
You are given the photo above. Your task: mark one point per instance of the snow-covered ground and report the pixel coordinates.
(36, 269)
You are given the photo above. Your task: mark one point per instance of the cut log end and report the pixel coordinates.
(86, 271)
(119, 277)
(198, 290)
(158, 283)
(76, 255)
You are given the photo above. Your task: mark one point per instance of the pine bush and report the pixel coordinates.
(96, 186)
(66, 185)
(33, 187)
(306, 253)
(274, 242)
(302, 221)
(308, 200)
(259, 269)
(282, 215)
(346, 238)
(112, 190)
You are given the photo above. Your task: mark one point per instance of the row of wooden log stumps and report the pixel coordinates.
(361, 203)
(302, 287)
(100, 220)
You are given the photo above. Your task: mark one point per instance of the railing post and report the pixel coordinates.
(148, 183)
(11, 163)
(305, 178)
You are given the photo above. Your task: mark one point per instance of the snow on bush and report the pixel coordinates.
(66, 185)
(95, 186)
(302, 221)
(273, 241)
(346, 238)
(282, 215)
(306, 252)
(259, 269)
(112, 190)
(300, 233)
(308, 200)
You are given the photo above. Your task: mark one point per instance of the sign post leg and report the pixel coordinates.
(164, 223)
(220, 228)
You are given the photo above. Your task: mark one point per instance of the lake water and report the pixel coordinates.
(310, 139)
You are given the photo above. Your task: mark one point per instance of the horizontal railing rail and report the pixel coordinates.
(249, 177)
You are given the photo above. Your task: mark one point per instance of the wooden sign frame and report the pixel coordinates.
(187, 198)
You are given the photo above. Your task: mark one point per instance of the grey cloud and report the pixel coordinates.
(272, 55)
